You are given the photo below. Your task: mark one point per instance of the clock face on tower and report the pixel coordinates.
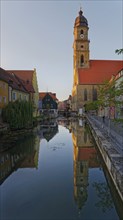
(82, 35)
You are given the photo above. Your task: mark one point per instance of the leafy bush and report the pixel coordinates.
(18, 114)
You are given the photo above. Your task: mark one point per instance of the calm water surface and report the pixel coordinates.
(56, 174)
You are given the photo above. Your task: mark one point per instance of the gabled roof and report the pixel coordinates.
(23, 74)
(4, 75)
(26, 76)
(99, 71)
(43, 94)
(12, 80)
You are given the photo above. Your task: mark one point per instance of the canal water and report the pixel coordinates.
(56, 173)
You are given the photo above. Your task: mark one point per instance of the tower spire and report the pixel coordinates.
(80, 11)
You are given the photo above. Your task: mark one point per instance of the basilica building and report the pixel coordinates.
(88, 74)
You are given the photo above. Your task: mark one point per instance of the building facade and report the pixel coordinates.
(88, 74)
(29, 78)
(48, 104)
(3, 94)
(119, 107)
(11, 89)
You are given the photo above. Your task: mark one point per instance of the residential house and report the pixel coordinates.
(48, 103)
(29, 79)
(3, 90)
(65, 106)
(11, 89)
(62, 106)
(17, 89)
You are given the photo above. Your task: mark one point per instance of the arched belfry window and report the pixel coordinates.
(82, 60)
(94, 94)
(81, 32)
(85, 95)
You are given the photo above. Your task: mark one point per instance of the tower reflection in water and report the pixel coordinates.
(85, 158)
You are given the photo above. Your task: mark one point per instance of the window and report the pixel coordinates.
(20, 97)
(94, 95)
(82, 46)
(82, 60)
(14, 96)
(0, 98)
(85, 94)
(4, 99)
(81, 32)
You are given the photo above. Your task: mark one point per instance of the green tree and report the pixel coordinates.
(91, 106)
(105, 201)
(107, 93)
(119, 51)
(18, 114)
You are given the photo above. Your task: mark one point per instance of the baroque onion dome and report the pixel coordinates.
(81, 20)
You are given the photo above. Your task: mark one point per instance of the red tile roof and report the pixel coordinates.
(99, 71)
(26, 77)
(43, 94)
(12, 80)
(88, 154)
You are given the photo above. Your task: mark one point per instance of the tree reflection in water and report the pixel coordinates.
(105, 201)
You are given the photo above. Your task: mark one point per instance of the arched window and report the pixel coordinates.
(81, 32)
(82, 60)
(94, 94)
(85, 95)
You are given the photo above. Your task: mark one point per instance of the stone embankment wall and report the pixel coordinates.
(111, 157)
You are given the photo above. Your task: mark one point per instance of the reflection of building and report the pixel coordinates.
(31, 159)
(5, 165)
(85, 157)
(48, 130)
(23, 154)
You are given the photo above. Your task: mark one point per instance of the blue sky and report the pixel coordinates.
(39, 34)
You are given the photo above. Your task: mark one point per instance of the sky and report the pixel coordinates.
(39, 34)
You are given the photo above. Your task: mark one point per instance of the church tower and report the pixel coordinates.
(88, 74)
(80, 45)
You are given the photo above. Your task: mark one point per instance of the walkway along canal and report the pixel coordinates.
(57, 173)
(111, 153)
